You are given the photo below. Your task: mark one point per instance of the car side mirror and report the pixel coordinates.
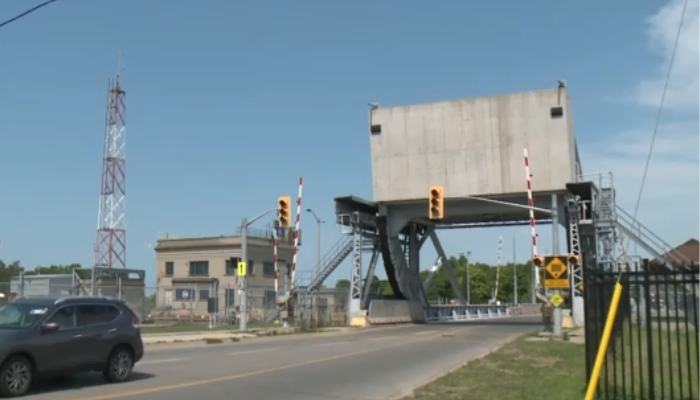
(50, 327)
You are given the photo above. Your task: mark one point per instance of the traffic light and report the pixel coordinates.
(284, 211)
(574, 259)
(435, 205)
(538, 261)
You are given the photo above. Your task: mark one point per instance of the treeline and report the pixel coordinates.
(482, 278)
(11, 270)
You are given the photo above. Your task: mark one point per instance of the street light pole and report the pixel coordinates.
(319, 221)
(242, 284)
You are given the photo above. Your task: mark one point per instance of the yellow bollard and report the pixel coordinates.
(604, 341)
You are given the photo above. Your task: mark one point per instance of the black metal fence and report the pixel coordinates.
(653, 350)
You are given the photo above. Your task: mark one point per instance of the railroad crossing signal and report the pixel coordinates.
(284, 211)
(556, 272)
(435, 205)
(242, 268)
(556, 300)
(538, 261)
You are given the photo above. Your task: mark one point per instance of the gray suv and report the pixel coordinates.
(57, 336)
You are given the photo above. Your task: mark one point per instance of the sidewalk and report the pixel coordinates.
(182, 337)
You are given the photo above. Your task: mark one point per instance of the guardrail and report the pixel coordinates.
(406, 311)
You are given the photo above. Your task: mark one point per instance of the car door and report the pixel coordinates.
(96, 322)
(62, 349)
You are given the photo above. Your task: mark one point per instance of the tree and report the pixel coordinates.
(386, 289)
(376, 287)
(55, 269)
(342, 284)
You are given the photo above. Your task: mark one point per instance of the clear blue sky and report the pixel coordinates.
(229, 102)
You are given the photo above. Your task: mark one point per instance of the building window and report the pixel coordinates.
(204, 294)
(199, 268)
(169, 268)
(269, 299)
(230, 297)
(251, 268)
(231, 266)
(289, 270)
(184, 294)
(268, 269)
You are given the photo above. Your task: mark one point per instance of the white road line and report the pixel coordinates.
(424, 333)
(161, 361)
(330, 344)
(382, 338)
(236, 353)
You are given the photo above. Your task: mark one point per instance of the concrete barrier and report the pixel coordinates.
(395, 312)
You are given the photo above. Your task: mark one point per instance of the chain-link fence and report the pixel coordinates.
(195, 302)
(324, 307)
(129, 290)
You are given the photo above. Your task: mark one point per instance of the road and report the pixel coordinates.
(371, 364)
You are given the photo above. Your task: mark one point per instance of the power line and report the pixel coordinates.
(661, 108)
(24, 14)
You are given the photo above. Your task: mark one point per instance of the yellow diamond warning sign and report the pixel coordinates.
(556, 268)
(556, 300)
(556, 272)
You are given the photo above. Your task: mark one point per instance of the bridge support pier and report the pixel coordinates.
(406, 237)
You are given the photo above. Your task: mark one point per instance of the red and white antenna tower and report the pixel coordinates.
(110, 245)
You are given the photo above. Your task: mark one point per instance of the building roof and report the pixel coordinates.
(254, 238)
(689, 250)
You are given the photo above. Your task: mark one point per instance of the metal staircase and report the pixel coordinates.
(333, 258)
(649, 241)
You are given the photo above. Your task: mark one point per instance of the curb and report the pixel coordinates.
(455, 368)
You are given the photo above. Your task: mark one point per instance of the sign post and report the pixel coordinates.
(556, 277)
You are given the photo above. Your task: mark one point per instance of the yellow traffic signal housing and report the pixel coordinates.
(436, 203)
(574, 259)
(284, 211)
(538, 261)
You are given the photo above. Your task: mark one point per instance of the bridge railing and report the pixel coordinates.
(405, 311)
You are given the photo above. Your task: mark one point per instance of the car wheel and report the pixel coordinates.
(16, 376)
(119, 365)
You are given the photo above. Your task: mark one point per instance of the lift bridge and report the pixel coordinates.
(473, 149)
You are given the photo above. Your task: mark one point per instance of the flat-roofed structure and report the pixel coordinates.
(473, 147)
(190, 271)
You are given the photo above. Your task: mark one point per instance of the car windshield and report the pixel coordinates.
(20, 315)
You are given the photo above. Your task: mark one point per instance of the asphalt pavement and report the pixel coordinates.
(370, 364)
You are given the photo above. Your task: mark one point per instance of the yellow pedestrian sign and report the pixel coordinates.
(556, 300)
(556, 272)
(242, 268)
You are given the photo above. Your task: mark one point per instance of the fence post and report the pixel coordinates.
(649, 344)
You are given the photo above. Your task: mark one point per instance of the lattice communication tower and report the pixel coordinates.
(110, 245)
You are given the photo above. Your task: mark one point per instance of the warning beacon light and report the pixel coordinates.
(574, 259)
(538, 261)
(436, 196)
(284, 211)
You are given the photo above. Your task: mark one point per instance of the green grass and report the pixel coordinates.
(213, 341)
(522, 370)
(674, 362)
(555, 370)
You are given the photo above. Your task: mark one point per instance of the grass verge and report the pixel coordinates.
(522, 370)
(664, 353)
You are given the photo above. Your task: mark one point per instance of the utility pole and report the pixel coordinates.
(515, 277)
(467, 283)
(242, 284)
(319, 221)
